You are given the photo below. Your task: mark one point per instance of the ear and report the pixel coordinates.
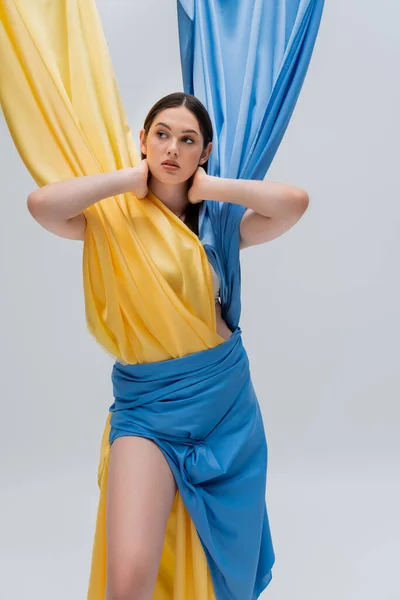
(142, 140)
(205, 154)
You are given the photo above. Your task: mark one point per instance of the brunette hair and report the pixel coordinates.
(200, 112)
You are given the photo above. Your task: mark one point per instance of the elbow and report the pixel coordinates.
(302, 200)
(32, 202)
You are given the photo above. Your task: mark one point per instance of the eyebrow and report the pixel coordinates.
(184, 131)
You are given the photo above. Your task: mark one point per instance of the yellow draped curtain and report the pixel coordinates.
(147, 282)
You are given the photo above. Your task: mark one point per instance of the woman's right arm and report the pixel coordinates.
(58, 206)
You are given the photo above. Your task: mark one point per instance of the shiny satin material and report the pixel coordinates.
(215, 281)
(137, 252)
(58, 90)
(58, 86)
(203, 413)
(246, 60)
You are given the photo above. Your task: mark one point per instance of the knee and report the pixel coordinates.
(124, 595)
(135, 583)
(123, 592)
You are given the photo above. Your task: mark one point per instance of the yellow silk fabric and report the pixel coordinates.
(147, 282)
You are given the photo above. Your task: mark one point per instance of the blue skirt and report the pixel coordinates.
(203, 413)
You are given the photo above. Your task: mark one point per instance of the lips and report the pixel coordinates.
(171, 163)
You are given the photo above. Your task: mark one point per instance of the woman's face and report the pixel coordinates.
(174, 136)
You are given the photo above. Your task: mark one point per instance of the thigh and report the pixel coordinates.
(140, 493)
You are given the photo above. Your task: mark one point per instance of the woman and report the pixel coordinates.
(191, 424)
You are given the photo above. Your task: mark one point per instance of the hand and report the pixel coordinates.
(139, 179)
(196, 191)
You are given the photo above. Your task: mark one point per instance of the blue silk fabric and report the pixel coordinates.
(246, 60)
(204, 415)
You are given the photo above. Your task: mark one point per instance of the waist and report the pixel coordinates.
(179, 366)
(182, 398)
(222, 328)
(206, 372)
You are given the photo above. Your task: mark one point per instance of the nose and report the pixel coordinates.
(172, 150)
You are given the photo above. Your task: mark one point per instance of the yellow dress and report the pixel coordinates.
(63, 109)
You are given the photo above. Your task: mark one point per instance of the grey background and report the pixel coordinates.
(320, 321)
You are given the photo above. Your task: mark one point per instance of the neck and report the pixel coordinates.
(174, 196)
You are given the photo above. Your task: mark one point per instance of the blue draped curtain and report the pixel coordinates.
(246, 60)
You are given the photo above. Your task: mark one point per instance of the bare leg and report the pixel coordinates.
(140, 493)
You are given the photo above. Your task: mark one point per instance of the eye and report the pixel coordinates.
(190, 140)
(160, 133)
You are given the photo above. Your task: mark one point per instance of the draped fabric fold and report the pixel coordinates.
(246, 61)
(62, 106)
(55, 59)
(146, 276)
(217, 452)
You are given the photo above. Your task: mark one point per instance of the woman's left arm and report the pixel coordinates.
(272, 208)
